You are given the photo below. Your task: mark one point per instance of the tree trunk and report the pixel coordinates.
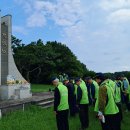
(27, 76)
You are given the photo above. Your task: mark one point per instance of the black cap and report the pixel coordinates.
(53, 78)
(77, 79)
(88, 78)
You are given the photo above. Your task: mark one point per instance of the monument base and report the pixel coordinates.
(15, 91)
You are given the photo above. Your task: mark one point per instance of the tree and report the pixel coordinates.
(37, 61)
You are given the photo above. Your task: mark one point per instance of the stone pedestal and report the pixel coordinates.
(23, 93)
(14, 92)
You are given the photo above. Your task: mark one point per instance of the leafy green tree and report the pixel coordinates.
(37, 61)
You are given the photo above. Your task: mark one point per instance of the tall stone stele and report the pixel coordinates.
(12, 83)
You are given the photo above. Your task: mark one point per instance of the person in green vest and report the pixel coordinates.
(126, 91)
(108, 112)
(94, 88)
(115, 86)
(71, 97)
(61, 105)
(82, 102)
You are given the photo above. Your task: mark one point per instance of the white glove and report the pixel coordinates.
(100, 114)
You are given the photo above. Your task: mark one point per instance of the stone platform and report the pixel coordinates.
(44, 100)
(16, 91)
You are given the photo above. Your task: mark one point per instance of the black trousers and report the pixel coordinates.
(62, 120)
(72, 106)
(72, 110)
(112, 122)
(126, 100)
(120, 110)
(83, 115)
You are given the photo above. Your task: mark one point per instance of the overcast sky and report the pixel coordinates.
(97, 31)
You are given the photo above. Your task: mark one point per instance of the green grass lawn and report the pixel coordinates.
(35, 118)
(41, 88)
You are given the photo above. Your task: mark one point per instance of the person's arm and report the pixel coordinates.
(93, 91)
(79, 95)
(72, 90)
(56, 99)
(102, 98)
(119, 84)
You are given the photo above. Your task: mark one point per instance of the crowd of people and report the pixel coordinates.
(75, 96)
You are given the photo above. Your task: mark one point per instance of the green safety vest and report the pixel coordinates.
(96, 89)
(63, 97)
(111, 83)
(84, 99)
(112, 86)
(111, 107)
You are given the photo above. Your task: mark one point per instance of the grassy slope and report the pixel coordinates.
(35, 118)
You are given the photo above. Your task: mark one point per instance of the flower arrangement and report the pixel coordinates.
(18, 82)
(11, 82)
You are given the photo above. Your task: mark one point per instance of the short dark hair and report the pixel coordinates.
(77, 79)
(100, 76)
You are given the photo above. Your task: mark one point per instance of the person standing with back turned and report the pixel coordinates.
(61, 105)
(83, 102)
(106, 107)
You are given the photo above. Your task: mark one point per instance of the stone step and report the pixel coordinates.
(48, 106)
(37, 101)
(45, 103)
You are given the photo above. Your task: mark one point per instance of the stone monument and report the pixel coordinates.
(12, 83)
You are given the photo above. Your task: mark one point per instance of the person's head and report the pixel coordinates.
(89, 80)
(122, 76)
(55, 81)
(66, 81)
(99, 78)
(71, 80)
(118, 77)
(77, 81)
